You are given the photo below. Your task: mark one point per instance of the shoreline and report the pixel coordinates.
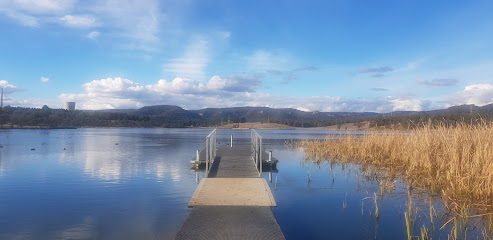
(249, 125)
(33, 127)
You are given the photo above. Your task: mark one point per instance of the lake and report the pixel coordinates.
(136, 184)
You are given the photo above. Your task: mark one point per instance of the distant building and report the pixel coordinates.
(70, 106)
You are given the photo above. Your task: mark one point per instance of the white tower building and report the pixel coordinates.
(70, 106)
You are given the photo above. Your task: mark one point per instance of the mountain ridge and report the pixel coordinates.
(175, 116)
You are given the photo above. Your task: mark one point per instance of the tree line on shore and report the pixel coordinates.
(177, 117)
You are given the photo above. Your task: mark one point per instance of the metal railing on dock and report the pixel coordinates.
(256, 141)
(210, 151)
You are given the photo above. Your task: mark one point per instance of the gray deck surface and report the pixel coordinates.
(235, 157)
(231, 222)
(212, 222)
(254, 192)
(233, 162)
(265, 155)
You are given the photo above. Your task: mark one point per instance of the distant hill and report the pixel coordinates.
(221, 116)
(449, 116)
(297, 118)
(174, 116)
(168, 113)
(260, 114)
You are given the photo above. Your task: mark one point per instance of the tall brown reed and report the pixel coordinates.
(454, 160)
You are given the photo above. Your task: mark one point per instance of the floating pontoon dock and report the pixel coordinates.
(233, 201)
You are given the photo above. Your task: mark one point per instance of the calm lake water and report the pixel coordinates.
(136, 184)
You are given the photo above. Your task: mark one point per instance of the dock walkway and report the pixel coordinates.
(233, 162)
(233, 202)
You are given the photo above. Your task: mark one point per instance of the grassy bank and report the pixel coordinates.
(454, 161)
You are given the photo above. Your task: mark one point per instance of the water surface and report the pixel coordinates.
(136, 184)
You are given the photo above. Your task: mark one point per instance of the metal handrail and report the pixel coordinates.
(210, 151)
(256, 143)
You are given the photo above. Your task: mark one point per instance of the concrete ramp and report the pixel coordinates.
(233, 192)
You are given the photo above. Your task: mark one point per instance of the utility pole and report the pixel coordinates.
(1, 101)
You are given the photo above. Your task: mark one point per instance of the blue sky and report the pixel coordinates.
(310, 55)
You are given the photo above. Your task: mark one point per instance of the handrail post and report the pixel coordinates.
(210, 151)
(206, 157)
(258, 153)
(260, 172)
(257, 150)
(215, 143)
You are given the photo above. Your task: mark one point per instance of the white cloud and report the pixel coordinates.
(378, 89)
(438, 82)
(78, 21)
(382, 69)
(177, 85)
(137, 22)
(219, 91)
(118, 92)
(7, 87)
(42, 6)
(133, 19)
(10, 99)
(111, 85)
(193, 62)
(406, 104)
(261, 61)
(413, 65)
(477, 94)
(93, 35)
(234, 83)
(32, 13)
(223, 35)
(24, 19)
(44, 79)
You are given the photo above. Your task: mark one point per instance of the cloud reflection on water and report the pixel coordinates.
(82, 230)
(116, 157)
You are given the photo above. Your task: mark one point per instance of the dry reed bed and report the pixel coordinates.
(454, 161)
